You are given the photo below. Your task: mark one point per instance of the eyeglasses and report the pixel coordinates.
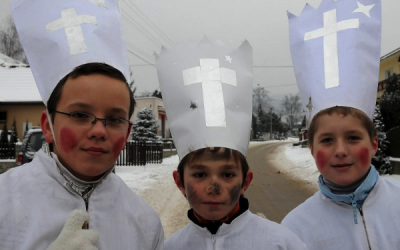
(86, 120)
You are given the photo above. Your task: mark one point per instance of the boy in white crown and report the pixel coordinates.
(207, 90)
(67, 197)
(355, 208)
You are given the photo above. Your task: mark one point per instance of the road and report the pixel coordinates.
(271, 193)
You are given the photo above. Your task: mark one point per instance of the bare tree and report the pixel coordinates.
(261, 100)
(10, 44)
(291, 106)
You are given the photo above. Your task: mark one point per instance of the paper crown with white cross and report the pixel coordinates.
(59, 35)
(207, 93)
(336, 54)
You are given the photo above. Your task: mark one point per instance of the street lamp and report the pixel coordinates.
(270, 135)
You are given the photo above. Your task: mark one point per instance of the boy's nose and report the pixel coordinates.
(213, 188)
(98, 131)
(341, 149)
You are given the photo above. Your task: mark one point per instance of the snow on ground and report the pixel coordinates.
(154, 183)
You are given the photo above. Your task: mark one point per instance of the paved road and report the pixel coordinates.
(272, 193)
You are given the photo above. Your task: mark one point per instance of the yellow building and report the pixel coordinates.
(19, 97)
(390, 64)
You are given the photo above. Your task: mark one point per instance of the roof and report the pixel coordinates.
(18, 85)
(390, 54)
(7, 62)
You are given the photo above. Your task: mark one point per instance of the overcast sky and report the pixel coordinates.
(150, 24)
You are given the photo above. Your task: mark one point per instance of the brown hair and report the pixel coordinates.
(227, 154)
(84, 70)
(341, 110)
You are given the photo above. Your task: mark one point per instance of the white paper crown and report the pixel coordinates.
(59, 35)
(207, 92)
(335, 51)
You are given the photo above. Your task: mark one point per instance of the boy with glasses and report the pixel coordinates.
(67, 198)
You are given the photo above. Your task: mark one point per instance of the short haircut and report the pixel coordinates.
(341, 110)
(85, 70)
(227, 154)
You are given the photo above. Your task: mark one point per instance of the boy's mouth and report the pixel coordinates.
(342, 166)
(95, 151)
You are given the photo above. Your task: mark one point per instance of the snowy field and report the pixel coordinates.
(154, 182)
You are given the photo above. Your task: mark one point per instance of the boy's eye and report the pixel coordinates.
(114, 121)
(354, 138)
(79, 115)
(228, 175)
(199, 175)
(326, 140)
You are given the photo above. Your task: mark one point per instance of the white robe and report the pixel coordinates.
(35, 203)
(326, 224)
(246, 232)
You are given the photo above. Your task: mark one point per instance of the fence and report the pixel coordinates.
(139, 153)
(7, 151)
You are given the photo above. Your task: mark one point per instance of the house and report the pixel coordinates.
(19, 97)
(157, 106)
(390, 64)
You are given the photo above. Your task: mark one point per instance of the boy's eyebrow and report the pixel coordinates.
(224, 167)
(197, 166)
(85, 105)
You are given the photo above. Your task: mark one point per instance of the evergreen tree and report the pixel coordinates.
(390, 103)
(145, 128)
(4, 134)
(14, 135)
(381, 160)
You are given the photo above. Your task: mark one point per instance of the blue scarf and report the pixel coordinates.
(357, 198)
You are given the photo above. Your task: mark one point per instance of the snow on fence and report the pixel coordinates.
(138, 153)
(7, 150)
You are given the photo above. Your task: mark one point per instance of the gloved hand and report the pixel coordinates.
(73, 236)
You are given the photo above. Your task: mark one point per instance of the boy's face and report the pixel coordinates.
(342, 149)
(88, 151)
(213, 185)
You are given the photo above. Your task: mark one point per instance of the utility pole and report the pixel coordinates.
(270, 135)
(310, 107)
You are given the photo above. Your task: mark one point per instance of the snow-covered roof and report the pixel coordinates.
(7, 62)
(18, 85)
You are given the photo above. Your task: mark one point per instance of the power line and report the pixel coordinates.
(141, 29)
(151, 24)
(282, 85)
(129, 50)
(130, 45)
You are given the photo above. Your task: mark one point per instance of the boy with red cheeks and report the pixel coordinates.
(337, 74)
(355, 208)
(67, 197)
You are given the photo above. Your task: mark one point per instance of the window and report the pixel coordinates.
(3, 117)
(388, 73)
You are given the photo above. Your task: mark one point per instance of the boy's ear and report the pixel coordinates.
(247, 181)
(375, 144)
(311, 149)
(44, 124)
(178, 182)
(128, 133)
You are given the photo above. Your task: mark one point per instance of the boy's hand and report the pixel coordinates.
(74, 235)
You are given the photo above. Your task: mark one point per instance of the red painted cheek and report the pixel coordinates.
(68, 140)
(119, 145)
(321, 159)
(364, 157)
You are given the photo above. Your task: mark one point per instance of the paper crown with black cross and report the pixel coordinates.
(59, 35)
(207, 93)
(336, 54)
